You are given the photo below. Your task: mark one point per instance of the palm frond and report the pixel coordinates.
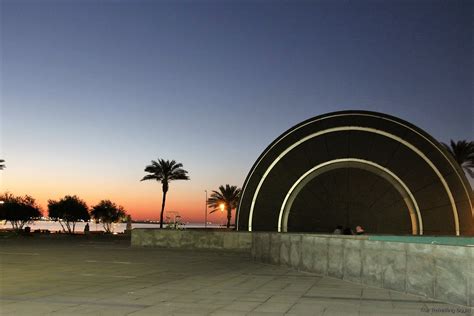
(463, 152)
(470, 172)
(165, 171)
(150, 177)
(227, 195)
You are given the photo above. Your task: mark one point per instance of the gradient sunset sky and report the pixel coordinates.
(92, 91)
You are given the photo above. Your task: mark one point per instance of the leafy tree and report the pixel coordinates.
(227, 197)
(18, 210)
(68, 211)
(463, 153)
(108, 213)
(2, 165)
(165, 171)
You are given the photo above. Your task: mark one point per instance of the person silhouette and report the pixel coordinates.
(347, 231)
(86, 229)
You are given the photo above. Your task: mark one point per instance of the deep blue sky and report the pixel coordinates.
(91, 91)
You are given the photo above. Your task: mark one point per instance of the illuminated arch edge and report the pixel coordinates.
(357, 128)
(402, 188)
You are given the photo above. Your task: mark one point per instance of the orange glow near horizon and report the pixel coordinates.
(142, 200)
(189, 210)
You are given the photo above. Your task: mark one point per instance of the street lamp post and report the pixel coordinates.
(205, 212)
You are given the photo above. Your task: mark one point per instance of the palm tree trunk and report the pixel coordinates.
(229, 216)
(165, 189)
(162, 209)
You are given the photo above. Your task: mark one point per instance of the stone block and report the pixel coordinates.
(202, 240)
(352, 260)
(420, 249)
(394, 267)
(254, 252)
(336, 257)
(159, 238)
(371, 273)
(172, 238)
(395, 246)
(295, 250)
(285, 249)
(147, 238)
(261, 247)
(216, 240)
(188, 239)
(452, 274)
(265, 239)
(321, 255)
(307, 253)
(421, 272)
(275, 247)
(230, 241)
(245, 240)
(470, 275)
(137, 238)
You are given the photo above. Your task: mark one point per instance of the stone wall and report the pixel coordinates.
(192, 239)
(444, 273)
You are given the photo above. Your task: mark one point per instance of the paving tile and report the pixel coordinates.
(273, 307)
(372, 306)
(32, 308)
(256, 297)
(282, 298)
(340, 311)
(265, 314)
(306, 309)
(240, 306)
(375, 294)
(227, 313)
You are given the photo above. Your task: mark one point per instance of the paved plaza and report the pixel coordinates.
(79, 276)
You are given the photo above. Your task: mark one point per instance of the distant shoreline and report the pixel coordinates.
(53, 226)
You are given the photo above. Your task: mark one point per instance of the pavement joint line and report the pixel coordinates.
(96, 247)
(284, 275)
(369, 299)
(291, 307)
(111, 276)
(116, 262)
(73, 302)
(109, 248)
(20, 253)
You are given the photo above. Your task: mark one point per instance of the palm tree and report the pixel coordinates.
(2, 165)
(165, 171)
(463, 153)
(227, 197)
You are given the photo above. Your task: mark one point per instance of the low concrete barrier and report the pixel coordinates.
(192, 239)
(440, 272)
